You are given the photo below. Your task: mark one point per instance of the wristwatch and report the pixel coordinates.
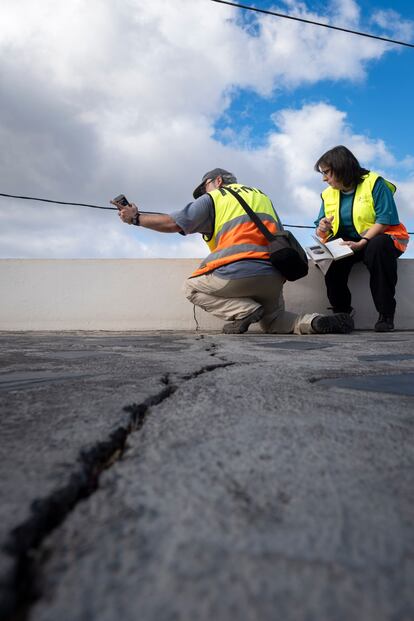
(135, 219)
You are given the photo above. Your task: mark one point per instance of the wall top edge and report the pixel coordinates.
(61, 260)
(123, 259)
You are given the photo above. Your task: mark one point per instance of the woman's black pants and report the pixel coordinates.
(380, 256)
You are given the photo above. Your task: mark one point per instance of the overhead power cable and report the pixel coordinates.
(309, 21)
(48, 200)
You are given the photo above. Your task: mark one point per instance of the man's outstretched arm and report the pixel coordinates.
(161, 222)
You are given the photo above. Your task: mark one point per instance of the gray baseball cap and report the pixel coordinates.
(228, 177)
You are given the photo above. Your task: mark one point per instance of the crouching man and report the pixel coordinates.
(236, 281)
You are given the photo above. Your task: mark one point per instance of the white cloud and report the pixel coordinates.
(301, 137)
(404, 197)
(390, 21)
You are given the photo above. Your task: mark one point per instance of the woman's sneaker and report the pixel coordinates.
(339, 323)
(385, 323)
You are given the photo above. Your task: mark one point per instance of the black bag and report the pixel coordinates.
(286, 253)
(288, 256)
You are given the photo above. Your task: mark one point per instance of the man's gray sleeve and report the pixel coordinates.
(196, 217)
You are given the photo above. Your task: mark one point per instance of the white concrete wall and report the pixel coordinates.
(146, 294)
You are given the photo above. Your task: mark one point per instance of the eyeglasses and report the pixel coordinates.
(204, 186)
(325, 172)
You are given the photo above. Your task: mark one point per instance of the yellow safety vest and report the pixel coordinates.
(235, 236)
(363, 210)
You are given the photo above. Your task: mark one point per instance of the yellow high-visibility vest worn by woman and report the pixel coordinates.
(363, 212)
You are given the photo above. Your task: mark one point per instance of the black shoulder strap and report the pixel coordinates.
(269, 236)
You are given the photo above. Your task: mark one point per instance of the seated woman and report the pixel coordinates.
(359, 206)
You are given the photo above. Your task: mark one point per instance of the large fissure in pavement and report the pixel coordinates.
(49, 513)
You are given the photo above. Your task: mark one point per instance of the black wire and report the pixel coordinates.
(195, 318)
(299, 226)
(308, 21)
(47, 200)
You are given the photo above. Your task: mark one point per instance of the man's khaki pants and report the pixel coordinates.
(238, 298)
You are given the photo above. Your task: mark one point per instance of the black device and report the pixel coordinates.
(121, 200)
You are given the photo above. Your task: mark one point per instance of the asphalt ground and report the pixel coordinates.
(177, 476)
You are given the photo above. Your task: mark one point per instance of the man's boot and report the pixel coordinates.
(339, 323)
(238, 326)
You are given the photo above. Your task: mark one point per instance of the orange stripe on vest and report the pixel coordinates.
(246, 230)
(399, 236)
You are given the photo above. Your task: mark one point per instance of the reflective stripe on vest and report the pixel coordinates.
(235, 236)
(363, 210)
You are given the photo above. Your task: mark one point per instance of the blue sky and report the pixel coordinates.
(378, 106)
(142, 98)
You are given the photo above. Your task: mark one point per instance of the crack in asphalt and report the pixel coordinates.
(48, 513)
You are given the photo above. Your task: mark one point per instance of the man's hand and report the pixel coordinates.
(127, 213)
(161, 222)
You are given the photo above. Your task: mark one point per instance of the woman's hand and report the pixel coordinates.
(355, 246)
(325, 225)
(324, 228)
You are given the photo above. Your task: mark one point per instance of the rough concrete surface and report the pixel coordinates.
(176, 476)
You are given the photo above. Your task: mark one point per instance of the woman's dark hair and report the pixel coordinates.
(343, 164)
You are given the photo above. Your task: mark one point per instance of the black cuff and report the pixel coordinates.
(135, 219)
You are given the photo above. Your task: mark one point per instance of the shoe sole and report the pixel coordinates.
(341, 323)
